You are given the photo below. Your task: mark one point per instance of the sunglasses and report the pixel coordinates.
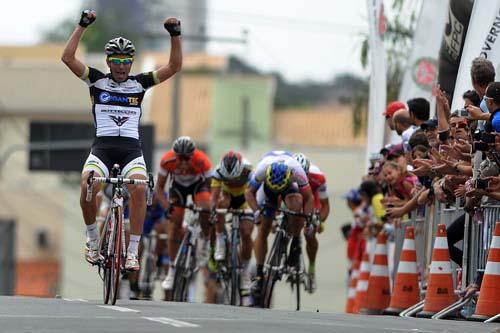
(184, 157)
(118, 61)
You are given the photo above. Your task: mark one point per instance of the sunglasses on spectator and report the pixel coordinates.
(459, 125)
(118, 61)
(184, 157)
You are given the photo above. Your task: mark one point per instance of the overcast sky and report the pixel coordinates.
(303, 39)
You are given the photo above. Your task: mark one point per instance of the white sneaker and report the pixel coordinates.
(220, 250)
(92, 254)
(132, 262)
(168, 283)
(203, 252)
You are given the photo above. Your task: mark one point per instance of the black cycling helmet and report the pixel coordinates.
(183, 145)
(119, 45)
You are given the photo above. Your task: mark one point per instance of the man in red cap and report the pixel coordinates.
(391, 109)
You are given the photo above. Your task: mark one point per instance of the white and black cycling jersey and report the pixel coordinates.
(116, 106)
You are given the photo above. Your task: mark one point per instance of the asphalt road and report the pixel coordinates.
(26, 314)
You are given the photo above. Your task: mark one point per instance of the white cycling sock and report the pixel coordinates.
(219, 237)
(92, 233)
(133, 245)
(245, 264)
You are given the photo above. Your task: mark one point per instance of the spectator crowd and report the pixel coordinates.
(450, 158)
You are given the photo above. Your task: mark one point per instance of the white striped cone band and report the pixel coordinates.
(379, 270)
(440, 267)
(355, 274)
(409, 244)
(351, 293)
(362, 285)
(365, 266)
(492, 268)
(441, 243)
(407, 267)
(381, 249)
(495, 242)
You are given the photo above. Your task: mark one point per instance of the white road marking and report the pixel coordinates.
(172, 322)
(75, 300)
(118, 308)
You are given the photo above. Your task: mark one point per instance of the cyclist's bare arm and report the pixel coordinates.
(251, 198)
(215, 194)
(175, 62)
(68, 56)
(159, 191)
(308, 198)
(325, 209)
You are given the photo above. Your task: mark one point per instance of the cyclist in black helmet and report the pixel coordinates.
(116, 107)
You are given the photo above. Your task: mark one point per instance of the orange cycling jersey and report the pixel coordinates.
(185, 173)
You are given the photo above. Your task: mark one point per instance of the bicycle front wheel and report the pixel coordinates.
(235, 269)
(181, 281)
(274, 263)
(116, 254)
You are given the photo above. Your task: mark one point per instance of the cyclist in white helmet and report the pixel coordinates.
(317, 180)
(229, 182)
(116, 107)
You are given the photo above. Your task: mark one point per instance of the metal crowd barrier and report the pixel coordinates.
(478, 233)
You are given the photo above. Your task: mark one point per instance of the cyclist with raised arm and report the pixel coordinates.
(189, 172)
(317, 180)
(229, 182)
(278, 176)
(116, 106)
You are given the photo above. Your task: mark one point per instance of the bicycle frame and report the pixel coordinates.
(112, 244)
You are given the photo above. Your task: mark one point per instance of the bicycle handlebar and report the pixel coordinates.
(119, 181)
(310, 218)
(233, 211)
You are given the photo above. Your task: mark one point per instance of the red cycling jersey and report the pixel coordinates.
(317, 180)
(198, 167)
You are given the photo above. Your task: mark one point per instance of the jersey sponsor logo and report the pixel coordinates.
(119, 121)
(106, 97)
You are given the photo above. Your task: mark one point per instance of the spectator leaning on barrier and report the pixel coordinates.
(392, 108)
(419, 109)
(403, 126)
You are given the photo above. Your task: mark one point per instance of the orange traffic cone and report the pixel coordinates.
(379, 289)
(351, 293)
(440, 292)
(406, 291)
(488, 303)
(362, 285)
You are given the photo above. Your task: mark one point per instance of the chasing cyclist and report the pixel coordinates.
(189, 172)
(317, 180)
(116, 108)
(229, 181)
(278, 176)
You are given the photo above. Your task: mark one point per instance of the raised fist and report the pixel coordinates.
(88, 16)
(173, 26)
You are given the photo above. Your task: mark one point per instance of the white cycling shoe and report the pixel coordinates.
(168, 283)
(92, 254)
(132, 263)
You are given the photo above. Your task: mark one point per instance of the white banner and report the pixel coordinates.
(377, 101)
(482, 40)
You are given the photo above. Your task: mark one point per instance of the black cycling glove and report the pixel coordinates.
(88, 16)
(174, 29)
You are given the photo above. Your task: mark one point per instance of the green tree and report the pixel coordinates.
(398, 38)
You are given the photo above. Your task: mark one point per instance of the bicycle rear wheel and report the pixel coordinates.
(116, 254)
(275, 261)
